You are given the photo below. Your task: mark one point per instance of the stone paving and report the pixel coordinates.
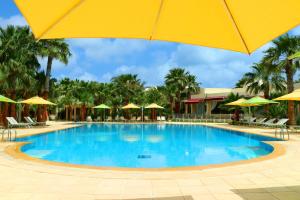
(273, 179)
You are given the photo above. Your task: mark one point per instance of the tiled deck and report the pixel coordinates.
(273, 179)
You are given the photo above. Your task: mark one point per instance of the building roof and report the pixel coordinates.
(206, 94)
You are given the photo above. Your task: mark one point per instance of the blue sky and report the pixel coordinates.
(102, 59)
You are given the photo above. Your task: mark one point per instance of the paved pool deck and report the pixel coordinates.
(277, 178)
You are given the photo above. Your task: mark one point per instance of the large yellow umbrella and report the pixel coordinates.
(294, 96)
(37, 101)
(131, 106)
(238, 25)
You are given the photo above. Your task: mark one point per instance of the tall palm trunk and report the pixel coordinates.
(267, 96)
(39, 116)
(171, 102)
(290, 88)
(44, 111)
(71, 113)
(47, 86)
(177, 103)
(5, 113)
(25, 112)
(83, 112)
(1, 115)
(13, 112)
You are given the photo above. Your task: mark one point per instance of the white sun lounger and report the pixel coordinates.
(279, 124)
(34, 123)
(12, 123)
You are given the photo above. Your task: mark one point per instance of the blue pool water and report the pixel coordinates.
(145, 146)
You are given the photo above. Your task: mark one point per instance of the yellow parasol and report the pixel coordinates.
(154, 106)
(294, 96)
(238, 25)
(241, 102)
(37, 101)
(131, 106)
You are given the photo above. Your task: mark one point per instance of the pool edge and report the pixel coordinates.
(15, 151)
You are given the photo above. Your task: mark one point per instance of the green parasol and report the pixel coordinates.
(257, 101)
(5, 99)
(102, 106)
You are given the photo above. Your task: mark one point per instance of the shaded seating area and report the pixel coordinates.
(13, 124)
(76, 112)
(129, 113)
(195, 118)
(280, 125)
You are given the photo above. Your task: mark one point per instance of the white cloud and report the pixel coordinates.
(76, 72)
(213, 67)
(109, 50)
(85, 76)
(106, 77)
(17, 20)
(150, 75)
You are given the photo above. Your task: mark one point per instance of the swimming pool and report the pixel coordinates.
(145, 145)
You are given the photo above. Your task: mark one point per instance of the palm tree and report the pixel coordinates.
(18, 61)
(263, 78)
(284, 47)
(154, 95)
(56, 49)
(179, 81)
(85, 97)
(176, 80)
(192, 86)
(128, 87)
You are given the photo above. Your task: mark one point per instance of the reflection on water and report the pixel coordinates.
(155, 138)
(130, 137)
(120, 145)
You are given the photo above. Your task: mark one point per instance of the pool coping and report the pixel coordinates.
(15, 151)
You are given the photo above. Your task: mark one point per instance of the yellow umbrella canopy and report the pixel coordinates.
(236, 103)
(37, 101)
(238, 25)
(154, 105)
(294, 96)
(241, 103)
(130, 106)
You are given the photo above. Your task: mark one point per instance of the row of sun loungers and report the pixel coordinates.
(265, 123)
(13, 123)
(279, 125)
(134, 119)
(194, 120)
